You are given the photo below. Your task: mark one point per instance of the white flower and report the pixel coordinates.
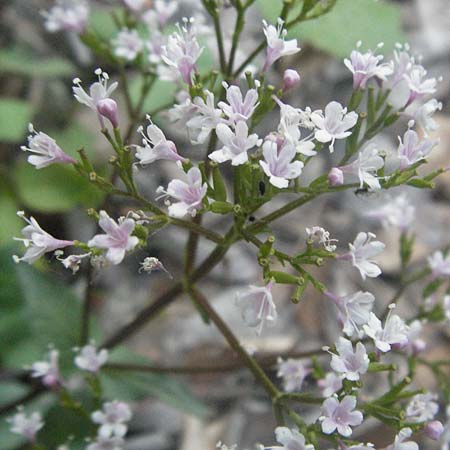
(395, 331)
(128, 44)
(257, 306)
(235, 144)
(160, 13)
(402, 63)
(71, 262)
(400, 444)
(439, 264)
(397, 212)
(68, 15)
(321, 236)
(48, 370)
(423, 115)
(112, 419)
(340, 415)
(291, 439)
(26, 426)
(330, 384)
(422, 408)
(239, 108)
(350, 363)
(334, 124)
(90, 360)
(150, 264)
(293, 372)
(419, 86)
(411, 149)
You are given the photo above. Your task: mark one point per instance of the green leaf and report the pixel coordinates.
(102, 22)
(15, 117)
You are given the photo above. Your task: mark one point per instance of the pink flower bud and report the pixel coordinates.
(434, 430)
(336, 177)
(291, 79)
(107, 107)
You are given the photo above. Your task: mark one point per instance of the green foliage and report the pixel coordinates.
(10, 224)
(162, 93)
(15, 116)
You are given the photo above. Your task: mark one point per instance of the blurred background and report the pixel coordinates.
(41, 305)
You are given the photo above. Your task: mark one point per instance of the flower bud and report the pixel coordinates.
(434, 430)
(336, 177)
(107, 107)
(291, 79)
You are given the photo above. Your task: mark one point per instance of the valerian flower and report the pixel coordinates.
(117, 239)
(415, 344)
(434, 430)
(127, 44)
(160, 13)
(351, 364)
(417, 83)
(112, 419)
(67, 15)
(361, 252)
(423, 115)
(422, 408)
(71, 262)
(135, 5)
(394, 212)
(37, 241)
(48, 371)
(152, 264)
(291, 439)
(45, 150)
(239, 108)
(400, 442)
(189, 195)
(26, 426)
(334, 124)
(411, 149)
(235, 143)
(293, 372)
(321, 237)
(340, 416)
(279, 164)
(257, 306)
(291, 79)
(402, 63)
(90, 359)
(439, 264)
(277, 46)
(330, 384)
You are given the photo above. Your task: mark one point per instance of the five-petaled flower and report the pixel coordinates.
(26, 425)
(112, 419)
(90, 359)
(340, 415)
(351, 364)
(411, 149)
(291, 439)
(293, 372)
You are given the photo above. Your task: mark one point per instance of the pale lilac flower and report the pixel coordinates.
(127, 44)
(257, 306)
(26, 426)
(400, 444)
(340, 416)
(279, 164)
(45, 150)
(107, 443)
(439, 264)
(434, 430)
(68, 15)
(330, 384)
(118, 238)
(37, 241)
(422, 408)
(155, 47)
(293, 372)
(235, 144)
(366, 166)
(365, 66)
(423, 115)
(418, 84)
(353, 310)
(291, 439)
(334, 123)
(402, 63)
(112, 419)
(415, 344)
(361, 252)
(321, 237)
(189, 195)
(71, 262)
(48, 370)
(160, 13)
(239, 108)
(277, 47)
(411, 149)
(394, 212)
(184, 110)
(351, 364)
(182, 51)
(108, 108)
(155, 146)
(336, 177)
(90, 359)
(291, 79)
(394, 332)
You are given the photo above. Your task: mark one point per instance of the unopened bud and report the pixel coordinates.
(434, 430)
(291, 79)
(336, 177)
(108, 108)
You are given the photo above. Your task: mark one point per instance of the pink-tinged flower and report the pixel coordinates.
(160, 13)
(90, 359)
(239, 108)
(411, 149)
(434, 430)
(418, 84)
(189, 195)
(118, 238)
(112, 419)
(353, 310)
(45, 150)
(235, 144)
(334, 124)
(362, 249)
(322, 237)
(182, 51)
(71, 262)
(365, 66)
(424, 115)
(37, 241)
(278, 163)
(98, 92)
(108, 109)
(402, 63)
(48, 370)
(155, 47)
(26, 426)
(291, 79)
(291, 439)
(67, 15)
(415, 344)
(257, 306)
(340, 416)
(366, 166)
(277, 47)
(293, 372)
(422, 408)
(336, 177)
(394, 332)
(107, 443)
(127, 44)
(400, 444)
(330, 384)
(155, 146)
(351, 364)
(439, 264)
